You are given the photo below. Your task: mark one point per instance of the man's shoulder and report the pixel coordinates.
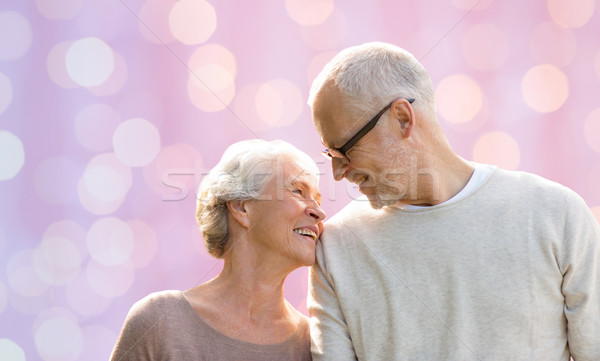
(531, 183)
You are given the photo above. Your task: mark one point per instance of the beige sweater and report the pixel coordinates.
(164, 326)
(510, 272)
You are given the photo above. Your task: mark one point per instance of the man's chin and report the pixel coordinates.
(377, 201)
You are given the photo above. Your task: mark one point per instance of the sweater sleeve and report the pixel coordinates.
(330, 339)
(137, 340)
(581, 280)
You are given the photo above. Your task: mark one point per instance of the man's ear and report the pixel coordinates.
(403, 113)
(239, 212)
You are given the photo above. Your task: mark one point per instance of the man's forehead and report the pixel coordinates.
(329, 116)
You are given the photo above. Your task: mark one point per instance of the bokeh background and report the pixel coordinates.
(111, 111)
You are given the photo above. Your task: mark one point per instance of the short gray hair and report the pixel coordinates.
(242, 173)
(371, 75)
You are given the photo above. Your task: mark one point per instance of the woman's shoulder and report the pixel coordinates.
(154, 304)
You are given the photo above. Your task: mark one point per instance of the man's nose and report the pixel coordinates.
(339, 168)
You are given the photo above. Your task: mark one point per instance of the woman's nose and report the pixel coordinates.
(316, 211)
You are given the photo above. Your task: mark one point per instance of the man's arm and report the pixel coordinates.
(581, 281)
(330, 338)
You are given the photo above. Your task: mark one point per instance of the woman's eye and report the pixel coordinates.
(297, 191)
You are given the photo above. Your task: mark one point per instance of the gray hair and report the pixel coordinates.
(371, 75)
(242, 173)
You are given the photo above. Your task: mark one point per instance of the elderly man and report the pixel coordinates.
(448, 259)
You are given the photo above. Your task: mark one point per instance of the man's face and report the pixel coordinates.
(378, 164)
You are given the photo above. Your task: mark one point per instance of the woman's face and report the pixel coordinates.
(287, 220)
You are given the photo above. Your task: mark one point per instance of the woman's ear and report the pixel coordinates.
(403, 113)
(239, 212)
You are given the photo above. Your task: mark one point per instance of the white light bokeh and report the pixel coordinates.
(153, 21)
(192, 21)
(58, 338)
(136, 142)
(59, 9)
(89, 61)
(83, 299)
(6, 94)
(592, 130)
(245, 105)
(57, 65)
(328, 35)
(279, 102)
(104, 184)
(572, 13)
(70, 230)
(22, 276)
(110, 241)
(98, 342)
(211, 87)
(563, 44)
(485, 46)
(15, 35)
(12, 155)
(110, 281)
(317, 64)
(309, 12)
(458, 98)
(10, 351)
(55, 180)
(213, 54)
(115, 81)
(545, 88)
(95, 125)
(497, 148)
(144, 243)
(57, 260)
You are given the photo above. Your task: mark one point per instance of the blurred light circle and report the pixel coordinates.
(245, 106)
(328, 35)
(59, 9)
(98, 342)
(104, 184)
(6, 94)
(83, 299)
(192, 21)
(309, 12)
(55, 180)
(15, 35)
(22, 276)
(592, 130)
(153, 21)
(70, 230)
(497, 148)
(176, 170)
(12, 155)
(3, 300)
(115, 81)
(211, 88)
(57, 260)
(485, 46)
(89, 61)
(59, 339)
(57, 65)
(572, 14)
(279, 102)
(458, 98)
(472, 4)
(110, 281)
(545, 88)
(10, 351)
(562, 40)
(110, 241)
(95, 125)
(144, 243)
(213, 54)
(596, 213)
(136, 142)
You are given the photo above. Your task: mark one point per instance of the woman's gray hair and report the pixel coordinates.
(371, 75)
(242, 173)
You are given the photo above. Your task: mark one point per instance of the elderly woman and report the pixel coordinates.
(258, 210)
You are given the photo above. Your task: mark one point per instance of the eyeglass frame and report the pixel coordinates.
(358, 136)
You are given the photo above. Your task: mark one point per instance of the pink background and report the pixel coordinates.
(106, 128)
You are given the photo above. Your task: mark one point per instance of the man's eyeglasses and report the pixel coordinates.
(340, 152)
